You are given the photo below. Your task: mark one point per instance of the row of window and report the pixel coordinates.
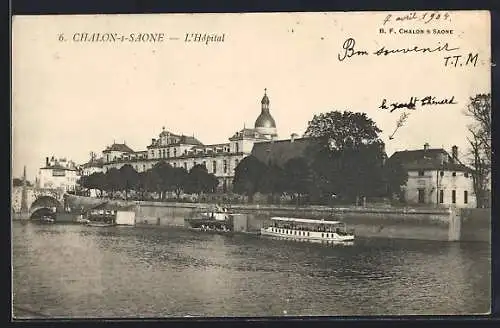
(453, 197)
(225, 166)
(291, 232)
(300, 233)
(421, 196)
(421, 173)
(165, 153)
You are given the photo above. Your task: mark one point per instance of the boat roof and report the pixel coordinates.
(316, 221)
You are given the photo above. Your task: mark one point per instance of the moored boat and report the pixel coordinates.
(218, 220)
(47, 219)
(100, 224)
(308, 230)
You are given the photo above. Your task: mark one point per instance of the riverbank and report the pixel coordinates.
(445, 224)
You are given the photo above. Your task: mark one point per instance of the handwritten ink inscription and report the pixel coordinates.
(461, 60)
(414, 101)
(349, 50)
(425, 17)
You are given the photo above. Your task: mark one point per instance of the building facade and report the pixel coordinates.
(187, 151)
(58, 174)
(436, 178)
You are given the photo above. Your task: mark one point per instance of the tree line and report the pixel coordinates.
(345, 160)
(161, 178)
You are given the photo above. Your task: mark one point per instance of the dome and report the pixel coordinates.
(265, 120)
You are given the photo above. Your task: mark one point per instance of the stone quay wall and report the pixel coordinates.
(442, 224)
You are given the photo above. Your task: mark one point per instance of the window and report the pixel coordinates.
(441, 196)
(466, 197)
(143, 167)
(466, 174)
(454, 174)
(225, 166)
(204, 164)
(236, 162)
(421, 173)
(421, 195)
(453, 196)
(185, 165)
(175, 152)
(441, 173)
(168, 152)
(175, 164)
(237, 148)
(214, 165)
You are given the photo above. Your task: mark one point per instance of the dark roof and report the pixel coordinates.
(183, 140)
(187, 140)
(118, 147)
(428, 159)
(247, 133)
(280, 151)
(94, 163)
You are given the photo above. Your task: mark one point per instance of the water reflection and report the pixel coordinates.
(78, 271)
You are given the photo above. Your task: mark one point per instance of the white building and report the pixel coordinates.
(58, 173)
(435, 177)
(186, 151)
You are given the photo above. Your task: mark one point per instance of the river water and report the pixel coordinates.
(74, 271)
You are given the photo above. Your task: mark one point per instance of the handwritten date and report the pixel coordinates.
(425, 17)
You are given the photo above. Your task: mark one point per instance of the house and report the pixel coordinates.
(436, 177)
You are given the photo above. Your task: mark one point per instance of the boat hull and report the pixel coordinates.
(306, 235)
(100, 225)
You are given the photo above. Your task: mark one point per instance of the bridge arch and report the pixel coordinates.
(44, 205)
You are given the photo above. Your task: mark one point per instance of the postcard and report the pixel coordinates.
(251, 164)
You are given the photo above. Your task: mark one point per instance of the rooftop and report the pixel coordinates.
(118, 147)
(279, 152)
(428, 159)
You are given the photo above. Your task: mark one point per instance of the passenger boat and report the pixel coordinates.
(308, 230)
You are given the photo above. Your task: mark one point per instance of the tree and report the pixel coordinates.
(248, 176)
(395, 177)
(129, 178)
(199, 180)
(348, 157)
(163, 172)
(113, 181)
(298, 177)
(479, 139)
(16, 182)
(178, 180)
(273, 181)
(340, 130)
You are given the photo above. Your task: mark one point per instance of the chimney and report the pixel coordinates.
(454, 153)
(293, 136)
(426, 146)
(153, 140)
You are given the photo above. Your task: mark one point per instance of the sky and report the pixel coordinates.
(70, 98)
